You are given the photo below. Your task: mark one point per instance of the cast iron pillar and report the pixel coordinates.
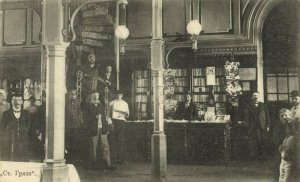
(158, 140)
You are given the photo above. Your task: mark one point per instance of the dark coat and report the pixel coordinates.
(257, 117)
(111, 88)
(91, 121)
(189, 113)
(15, 136)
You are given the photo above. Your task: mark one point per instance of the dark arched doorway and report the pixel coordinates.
(279, 37)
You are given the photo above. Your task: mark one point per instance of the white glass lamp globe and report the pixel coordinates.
(122, 32)
(194, 27)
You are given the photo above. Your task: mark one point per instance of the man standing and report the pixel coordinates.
(72, 126)
(39, 128)
(15, 127)
(117, 113)
(97, 128)
(107, 90)
(3, 107)
(295, 95)
(257, 117)
(91, 76)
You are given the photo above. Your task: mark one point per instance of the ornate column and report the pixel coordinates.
(55, 168)
(158, 140)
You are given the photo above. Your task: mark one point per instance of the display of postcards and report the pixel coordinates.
(170, 105)
(169, 90)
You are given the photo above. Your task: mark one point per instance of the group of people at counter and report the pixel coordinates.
(285, 133)
(94, 126)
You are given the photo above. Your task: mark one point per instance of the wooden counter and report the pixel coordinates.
(187, 141)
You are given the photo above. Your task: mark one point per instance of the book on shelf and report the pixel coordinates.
(199, 81)
(220, 71)
(199, 71)
(181, 81)
(179, 98)
(220, 97)
(141, 73)
(200, 98)
(142, 82)
(141, 98)
(181, 72)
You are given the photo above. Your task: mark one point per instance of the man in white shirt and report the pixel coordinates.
(117, 113)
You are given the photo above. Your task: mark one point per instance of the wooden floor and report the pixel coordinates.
(236, 171)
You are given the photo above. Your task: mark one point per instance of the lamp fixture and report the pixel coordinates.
(122, 33)
(194, 28)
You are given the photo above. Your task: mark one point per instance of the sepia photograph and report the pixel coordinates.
(149, 90)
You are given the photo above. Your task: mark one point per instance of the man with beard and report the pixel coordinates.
(91, 77)
(15, 127)
(257, 117)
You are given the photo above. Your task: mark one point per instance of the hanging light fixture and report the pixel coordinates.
(122, 33)
(194, 28)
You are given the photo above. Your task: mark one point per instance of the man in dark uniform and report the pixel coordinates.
(15, 128)
(257, 117)
(186, 110)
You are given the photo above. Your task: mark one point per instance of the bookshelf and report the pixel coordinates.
(181, 84)
(141, 93)
(206, 95)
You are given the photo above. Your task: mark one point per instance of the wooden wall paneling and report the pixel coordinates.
(1, 28)
(14, 27)
(236, 16)
(216, 17)
(139, 18)
(36, 28)
(188, 11)
(28, 26)
(173, 21)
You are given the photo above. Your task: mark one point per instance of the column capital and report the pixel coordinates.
(57, 50)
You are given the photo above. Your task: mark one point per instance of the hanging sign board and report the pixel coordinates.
(93, 42)
(98, 36)
(99, 29)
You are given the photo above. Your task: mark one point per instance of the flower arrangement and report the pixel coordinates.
(233, 88)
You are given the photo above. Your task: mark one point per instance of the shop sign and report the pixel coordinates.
(99, 29)
(93, 42)
(99, 10)
(94, 35)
